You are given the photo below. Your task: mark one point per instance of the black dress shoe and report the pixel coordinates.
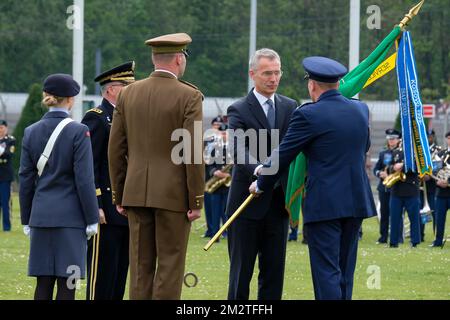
(414, 245)
(393, 245)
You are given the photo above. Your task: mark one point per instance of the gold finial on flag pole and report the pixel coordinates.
(411, 14)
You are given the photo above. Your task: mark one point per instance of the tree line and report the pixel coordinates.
(35, 40)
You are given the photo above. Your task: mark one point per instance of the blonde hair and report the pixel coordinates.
(50, 100)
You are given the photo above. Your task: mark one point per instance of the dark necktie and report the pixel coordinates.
(271, 114)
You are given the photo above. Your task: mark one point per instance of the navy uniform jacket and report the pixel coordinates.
(409, 187)
(444, 192)
(333, 133)
(245, 114)
(384, 161)
(6, 169)
(64, 195)
(99, 122)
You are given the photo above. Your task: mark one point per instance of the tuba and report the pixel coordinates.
(215, 183)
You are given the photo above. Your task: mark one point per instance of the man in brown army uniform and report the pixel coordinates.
(160, 196)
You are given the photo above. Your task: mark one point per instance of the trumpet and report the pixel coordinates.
(215, 183)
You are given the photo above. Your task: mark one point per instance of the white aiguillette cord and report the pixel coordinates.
(50, 144)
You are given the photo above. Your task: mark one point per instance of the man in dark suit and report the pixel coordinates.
(333, 133)
(261, 229)
(108, 250)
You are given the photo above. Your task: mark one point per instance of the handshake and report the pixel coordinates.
(90, 230)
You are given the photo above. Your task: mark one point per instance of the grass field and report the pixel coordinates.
(404, 273)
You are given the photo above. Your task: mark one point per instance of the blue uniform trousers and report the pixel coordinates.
(384, 215)
(208, 215)
(333, 249)
(218, 205)
(442, 205)
(5, 196)
(411, 204)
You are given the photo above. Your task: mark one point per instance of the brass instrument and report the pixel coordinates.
(393, 178)
(215, 183)
(442, 173)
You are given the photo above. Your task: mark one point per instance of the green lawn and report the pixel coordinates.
(405, 273)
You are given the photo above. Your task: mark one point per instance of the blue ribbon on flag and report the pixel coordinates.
(415, 142)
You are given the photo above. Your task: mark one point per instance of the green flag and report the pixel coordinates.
(349, 86)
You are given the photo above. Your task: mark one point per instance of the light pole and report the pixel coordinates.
(77, 59)
(355, 8)
(252, 44)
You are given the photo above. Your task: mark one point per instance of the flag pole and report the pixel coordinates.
(411, 14)
(229, 221)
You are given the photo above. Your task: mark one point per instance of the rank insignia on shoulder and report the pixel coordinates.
(96, 110)
(188, 83)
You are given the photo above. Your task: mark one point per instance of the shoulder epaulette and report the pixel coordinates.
(305, 104)
(11, 137)
(96, 110)
(189, 84)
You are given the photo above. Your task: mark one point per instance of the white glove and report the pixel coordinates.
(26, 230)
(2, 149)
(91, 230)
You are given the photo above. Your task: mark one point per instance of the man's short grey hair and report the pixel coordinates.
(262, 53)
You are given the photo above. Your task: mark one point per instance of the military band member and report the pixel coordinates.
(404, 196)
(333, 132)
(220, 168)
(108, 250)
(442, 197)
(7, 149)
(380, 170)
(430, 185)
(210, 144)
(160, 190)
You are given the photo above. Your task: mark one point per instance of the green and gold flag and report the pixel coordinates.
(372, 68)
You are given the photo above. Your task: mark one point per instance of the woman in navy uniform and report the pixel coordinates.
(58, 208)
(380, 171)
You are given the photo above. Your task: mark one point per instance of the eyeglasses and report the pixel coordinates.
(268, 74)
(185, 52)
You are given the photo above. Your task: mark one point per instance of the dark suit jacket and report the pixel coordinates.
(99, 122)
(246, 114)
(334, 135)
(64, 195)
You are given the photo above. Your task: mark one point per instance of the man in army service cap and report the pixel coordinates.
(160, 197)
(107, 255)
